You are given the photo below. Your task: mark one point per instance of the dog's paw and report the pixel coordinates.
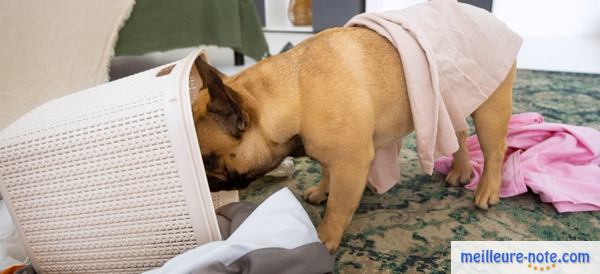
(459, 176)
(314, 196)
(487, 193)
(330, 238)
(331, 245)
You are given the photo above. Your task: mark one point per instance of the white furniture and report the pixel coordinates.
(278, 28)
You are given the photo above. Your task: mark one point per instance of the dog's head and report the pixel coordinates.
(235, 151)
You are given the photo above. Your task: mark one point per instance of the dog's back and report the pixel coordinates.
(352, 75)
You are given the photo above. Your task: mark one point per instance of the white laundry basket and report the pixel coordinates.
(109, 179)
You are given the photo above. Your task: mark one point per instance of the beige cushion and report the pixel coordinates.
(53, 48)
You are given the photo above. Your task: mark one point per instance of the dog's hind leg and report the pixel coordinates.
(461, 166)
(316, 195)
(491, 124)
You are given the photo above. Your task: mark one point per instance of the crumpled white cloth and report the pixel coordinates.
(280, 221)
(11, 249)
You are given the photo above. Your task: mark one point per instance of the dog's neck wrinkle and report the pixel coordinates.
(270, 88)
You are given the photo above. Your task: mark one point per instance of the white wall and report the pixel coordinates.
(550, 18)
(559, 35)
(383, 5)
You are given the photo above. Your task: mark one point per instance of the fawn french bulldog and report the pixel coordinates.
(336, 97)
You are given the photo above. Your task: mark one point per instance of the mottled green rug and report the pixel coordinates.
(409, 228)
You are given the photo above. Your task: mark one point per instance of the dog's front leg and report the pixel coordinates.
(348, 179)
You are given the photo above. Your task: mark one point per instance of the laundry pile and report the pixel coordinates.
(275, 237)
(558, 162)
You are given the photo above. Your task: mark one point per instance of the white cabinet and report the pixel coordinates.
(278, 28)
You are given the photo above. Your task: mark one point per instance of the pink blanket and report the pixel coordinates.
(454, 57)
(556, 161)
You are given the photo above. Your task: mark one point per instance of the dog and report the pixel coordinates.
(336, 97)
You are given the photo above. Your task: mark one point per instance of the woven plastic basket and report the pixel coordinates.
(110, 179)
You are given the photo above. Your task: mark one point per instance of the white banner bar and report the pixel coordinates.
(525, 257)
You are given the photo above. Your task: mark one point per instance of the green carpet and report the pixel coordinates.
(409, 228)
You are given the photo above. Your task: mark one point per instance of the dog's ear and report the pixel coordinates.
(224, 101)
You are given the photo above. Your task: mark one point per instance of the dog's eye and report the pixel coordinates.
(232, 155)
(209, 161)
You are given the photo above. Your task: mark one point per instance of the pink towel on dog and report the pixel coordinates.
(454, 57)
(556, 161)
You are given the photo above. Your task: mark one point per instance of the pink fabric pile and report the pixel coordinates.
(560, 163)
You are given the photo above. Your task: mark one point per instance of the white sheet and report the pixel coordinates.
(280, 221)
(11, 249)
